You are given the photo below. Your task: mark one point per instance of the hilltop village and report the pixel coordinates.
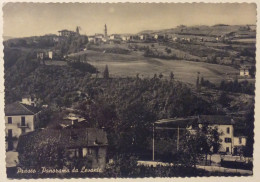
(127, 105)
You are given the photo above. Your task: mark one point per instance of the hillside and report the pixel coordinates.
(200, 30)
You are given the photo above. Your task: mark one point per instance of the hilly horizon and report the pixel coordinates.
(214, 30)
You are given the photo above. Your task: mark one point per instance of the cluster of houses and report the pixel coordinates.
(145, 37)
(49, 54)
(81, 141)
(73, 133)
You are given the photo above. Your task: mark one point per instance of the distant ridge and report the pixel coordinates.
(215, 30)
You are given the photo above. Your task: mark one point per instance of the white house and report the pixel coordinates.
(125, 37)
(230, 144)
(19, 119)
(50, 54)
(144, 36)
(244, 71)
(158, 36)
(28, 100)
(114, 37)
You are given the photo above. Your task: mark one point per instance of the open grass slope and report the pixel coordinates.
(130, 65)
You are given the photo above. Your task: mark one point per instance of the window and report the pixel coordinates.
(228, 130)
(22, 121)
(227, 149)
(240, 140)
(10, 121)
(227, 140)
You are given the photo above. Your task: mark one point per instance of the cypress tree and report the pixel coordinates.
(106, 73)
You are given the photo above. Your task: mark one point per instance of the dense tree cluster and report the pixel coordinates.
(72, 44)
(231, 86)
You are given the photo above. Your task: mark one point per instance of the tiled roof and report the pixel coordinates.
(17, 108)
(67, 137)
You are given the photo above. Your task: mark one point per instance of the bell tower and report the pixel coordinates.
(105, 30)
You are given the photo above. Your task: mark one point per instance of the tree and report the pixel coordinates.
(168, 50)
(198, 82)
(106, 73)
(197, 146)
(224, 99)
(249, 132)
(202, 81)
(122, 166)
(160, 75)
(171, 76)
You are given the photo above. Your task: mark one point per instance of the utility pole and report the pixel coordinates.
(153, 141)
(178, 138)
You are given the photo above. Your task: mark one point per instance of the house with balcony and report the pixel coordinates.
(19, 119)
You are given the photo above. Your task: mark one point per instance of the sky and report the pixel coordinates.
(32, 19)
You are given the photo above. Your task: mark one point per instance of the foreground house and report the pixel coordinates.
(230, 143)
(19, 119)
(71, 143)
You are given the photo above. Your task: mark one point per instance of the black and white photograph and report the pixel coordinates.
(129, 90)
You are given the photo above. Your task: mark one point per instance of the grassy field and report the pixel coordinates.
(130, 65)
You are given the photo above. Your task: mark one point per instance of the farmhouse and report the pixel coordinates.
(97, 38)
(158, 37)
(115, 37)
(125, 37)
(20, 118)
(73, 142)
(175, 39)
(40, 55)
(244, 71)
(66, 33)
(134, 37)
(145, 36)
(230, 144)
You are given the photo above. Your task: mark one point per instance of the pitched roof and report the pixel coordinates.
(181, 122)
(17, 108)
(216, 119)
(201, 119)
(67, 137)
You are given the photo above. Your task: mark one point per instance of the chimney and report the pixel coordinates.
(75, 121)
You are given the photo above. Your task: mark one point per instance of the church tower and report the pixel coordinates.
(105, 30)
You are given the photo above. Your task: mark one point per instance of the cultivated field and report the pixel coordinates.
(135, 63)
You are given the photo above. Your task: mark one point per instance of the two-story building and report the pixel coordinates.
(19, 119)
(66, 33)
(230, 144)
